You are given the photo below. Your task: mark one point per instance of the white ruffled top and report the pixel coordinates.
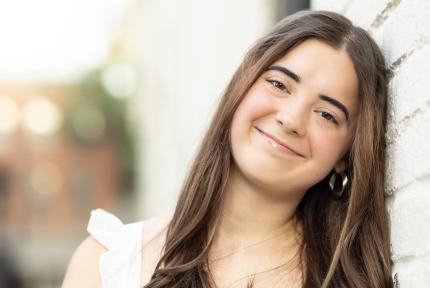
(121, 265)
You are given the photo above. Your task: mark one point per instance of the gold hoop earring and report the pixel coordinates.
(334, 183)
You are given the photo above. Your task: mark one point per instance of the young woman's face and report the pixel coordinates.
(297, 120)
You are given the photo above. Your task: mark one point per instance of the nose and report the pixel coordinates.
(293, 118)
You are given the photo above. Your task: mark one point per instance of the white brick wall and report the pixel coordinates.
(402, 29)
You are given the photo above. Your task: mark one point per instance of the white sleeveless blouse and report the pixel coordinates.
(121, 265)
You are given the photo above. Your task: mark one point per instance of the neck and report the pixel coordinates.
(251, 214)
(258, 229)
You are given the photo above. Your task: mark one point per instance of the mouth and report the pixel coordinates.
(278, 144)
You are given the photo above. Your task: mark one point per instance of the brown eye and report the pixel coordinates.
(278, 85)
(329, 117)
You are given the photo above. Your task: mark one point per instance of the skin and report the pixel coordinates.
(266, 184)
(83, 270)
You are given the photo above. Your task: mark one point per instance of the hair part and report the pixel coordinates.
(345, 243)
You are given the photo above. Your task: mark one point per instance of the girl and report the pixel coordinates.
(286, 189)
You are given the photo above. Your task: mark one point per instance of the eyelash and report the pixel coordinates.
(331, 118)
(278, 85)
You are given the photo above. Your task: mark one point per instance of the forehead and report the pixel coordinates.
(324, 70)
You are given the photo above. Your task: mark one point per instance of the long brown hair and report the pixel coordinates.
(345, 242)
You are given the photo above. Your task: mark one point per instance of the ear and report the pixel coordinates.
(340, 166)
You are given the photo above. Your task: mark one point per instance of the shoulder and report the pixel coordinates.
(102, 249)
(83, 269)
(154, 231)
(116, 253)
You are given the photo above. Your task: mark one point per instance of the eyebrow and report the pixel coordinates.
(297, 79)
(337, 104)
(286, 71)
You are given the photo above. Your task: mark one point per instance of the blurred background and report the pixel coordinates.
(102, 105)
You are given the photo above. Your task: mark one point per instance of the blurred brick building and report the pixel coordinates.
(58, 160)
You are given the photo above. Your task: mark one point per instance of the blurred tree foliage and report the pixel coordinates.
(96, 116)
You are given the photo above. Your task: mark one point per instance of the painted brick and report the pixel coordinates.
(409, 154)
(409, 217)
(413, 272)
(408, 89)
(407, 27)
(364, 12)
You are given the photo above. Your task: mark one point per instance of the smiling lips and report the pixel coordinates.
(278, 144)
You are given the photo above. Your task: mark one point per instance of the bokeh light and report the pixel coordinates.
(89, 124)
(9, 115)
(42, 117)
(120, 80)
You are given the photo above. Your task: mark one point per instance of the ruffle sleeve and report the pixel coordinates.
(120, 265)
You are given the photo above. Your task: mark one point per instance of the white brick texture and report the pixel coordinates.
(402, 29)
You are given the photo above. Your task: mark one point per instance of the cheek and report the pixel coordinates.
(254, 105)
(327, 148)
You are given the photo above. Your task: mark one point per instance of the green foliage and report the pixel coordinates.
(97, 116)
